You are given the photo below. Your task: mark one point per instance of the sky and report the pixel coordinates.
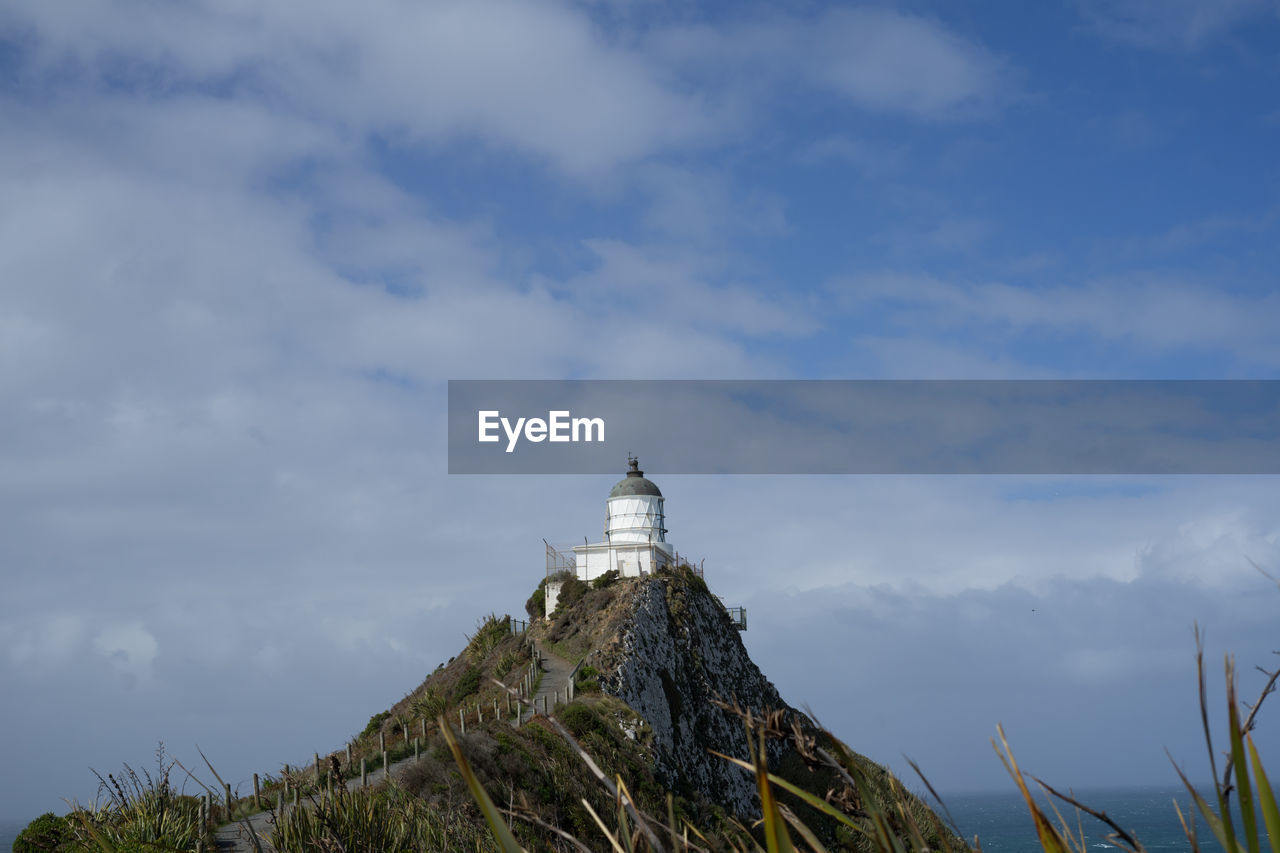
(243, 247)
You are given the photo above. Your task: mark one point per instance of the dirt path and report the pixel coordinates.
(554, 683)
(234, 837)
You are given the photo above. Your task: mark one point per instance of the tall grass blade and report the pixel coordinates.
(803, 831)
(776, 837)
(1050, 840)
(1216, 825)
(613, 840)
(810, 799)
(1188, 822)
(501, 832)
(1266, 798)
(1240, 764)
(104, 844)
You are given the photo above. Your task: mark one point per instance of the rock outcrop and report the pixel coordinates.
(675, 655)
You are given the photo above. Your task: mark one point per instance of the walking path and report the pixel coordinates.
(553, 689)
(554, 686)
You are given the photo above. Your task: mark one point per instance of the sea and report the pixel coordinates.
(9, 830)
(1003, 825)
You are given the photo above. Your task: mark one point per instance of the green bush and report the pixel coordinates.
(468, 684)
(536, 606)
(587, 679)
(429, 705)
(579, 719)
(491, 631)
(375, 723)
(49, 832)
(605, 579)
(570, 594)
(506, 661)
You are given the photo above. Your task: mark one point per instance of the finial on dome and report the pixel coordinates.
(633, 466)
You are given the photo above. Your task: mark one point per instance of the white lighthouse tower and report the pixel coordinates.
(635, 531)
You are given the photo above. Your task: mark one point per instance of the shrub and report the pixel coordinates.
(49, 832)
(570, 594)
(429, 705)
(375, 723)
(587, 679)
(605, 579)
(536, 606)
(493, 629)
(468, 684)
(506, 661)
(580, 720)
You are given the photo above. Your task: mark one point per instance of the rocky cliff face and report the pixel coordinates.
(674, 654)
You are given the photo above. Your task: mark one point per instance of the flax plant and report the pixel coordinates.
(139, 811)
(388, 819)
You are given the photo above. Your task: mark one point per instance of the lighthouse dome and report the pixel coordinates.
(634, 510)
(635, 483)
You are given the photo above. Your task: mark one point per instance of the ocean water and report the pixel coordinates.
(1003, 824)
(9, 830)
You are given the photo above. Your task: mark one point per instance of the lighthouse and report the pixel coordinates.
(635, 543)
(635, 531)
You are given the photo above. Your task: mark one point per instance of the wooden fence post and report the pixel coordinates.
(257, 793)
(364, 774)
(415, 749)
(423, 725)
(386, 770)
(348, 755)
(382, 740)
(227, 788)
(280, 803)
(317, 757)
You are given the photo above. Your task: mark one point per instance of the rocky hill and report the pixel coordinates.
(667, 648)
(641, 680)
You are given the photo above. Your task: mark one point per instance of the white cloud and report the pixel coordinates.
(879, 59)
(128, 647)
(50, 639)
(1151, 312)
(1182, 24)
(659, 286)
(895, 62)
(536, 79)
(959, 233)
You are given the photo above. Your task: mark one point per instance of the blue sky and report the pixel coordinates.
(243, 246)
